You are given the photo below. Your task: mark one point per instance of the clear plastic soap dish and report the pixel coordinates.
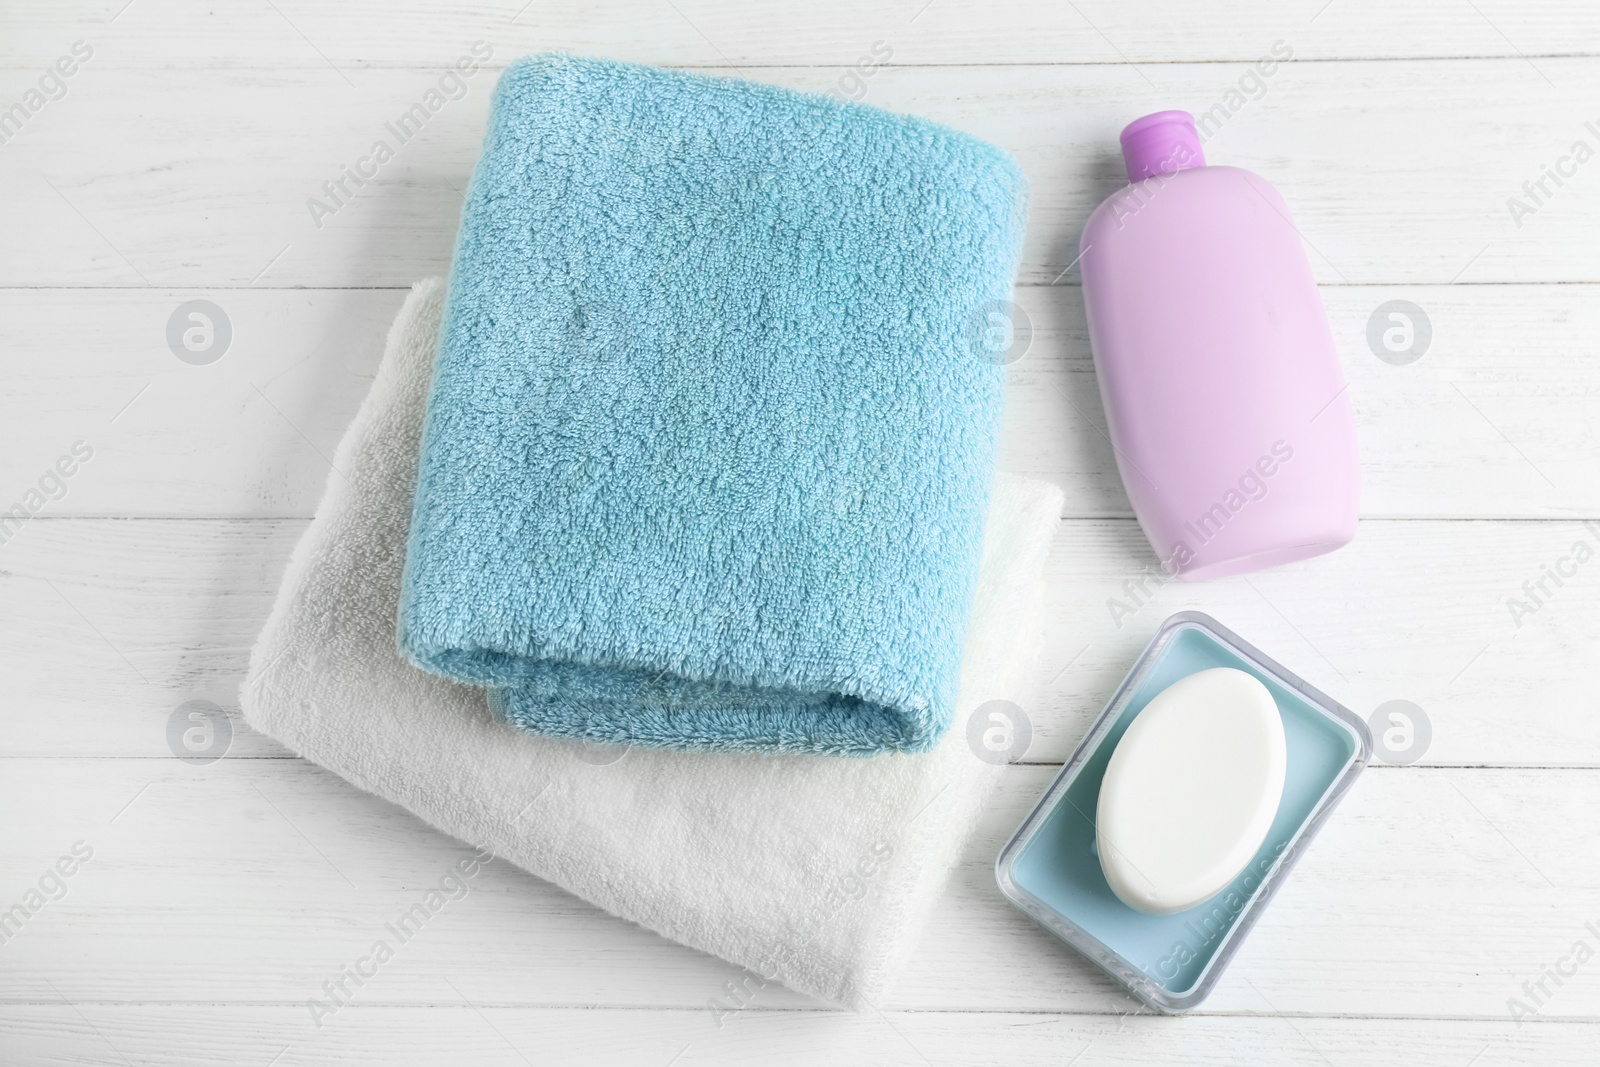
(1049, 869)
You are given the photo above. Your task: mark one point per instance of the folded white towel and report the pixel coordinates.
(816, 871)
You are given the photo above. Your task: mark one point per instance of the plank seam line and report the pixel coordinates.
(1488, 1020)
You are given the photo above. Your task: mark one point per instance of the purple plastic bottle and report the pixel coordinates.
(1227, 408)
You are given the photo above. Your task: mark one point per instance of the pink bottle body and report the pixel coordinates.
(1227, 407)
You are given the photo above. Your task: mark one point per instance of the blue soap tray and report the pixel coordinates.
(1051, 871)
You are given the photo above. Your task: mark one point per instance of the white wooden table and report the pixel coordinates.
(176, 164)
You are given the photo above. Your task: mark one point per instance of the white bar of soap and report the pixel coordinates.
(1190, 791)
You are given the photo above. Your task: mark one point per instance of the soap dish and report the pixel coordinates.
(1050, 870)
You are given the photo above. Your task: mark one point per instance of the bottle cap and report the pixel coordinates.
(1162, 143)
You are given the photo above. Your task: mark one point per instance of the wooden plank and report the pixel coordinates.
(1474, 429)
(1367, 153)
(89, 1035)
(1412, 611)
(251, 434)
(143, 615)
(359, 35)
(178, 165)
(1431, 893)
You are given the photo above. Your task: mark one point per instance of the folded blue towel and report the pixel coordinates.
(708, 450)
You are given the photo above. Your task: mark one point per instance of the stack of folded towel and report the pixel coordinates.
(694, 457)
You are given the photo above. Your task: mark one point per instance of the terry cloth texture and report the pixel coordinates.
(814, 871)
(710, 441)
